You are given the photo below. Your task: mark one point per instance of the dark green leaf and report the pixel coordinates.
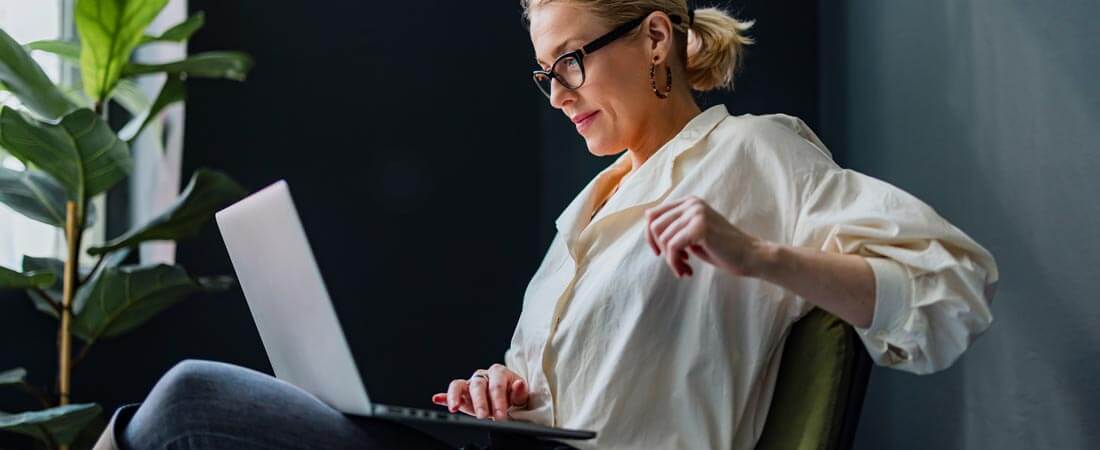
(172, 92)
(109, 31)
(231, 65)
(53, 426)
(89, 436)
(81, 153)
(13, 376)
(180, 32)
(57, 267)
(122, 298)
(68, 50)
(22, 76)
(38, 197)
(10, 279)
(207, 192)
(50, 265)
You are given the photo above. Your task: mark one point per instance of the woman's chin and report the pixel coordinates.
(598, 148)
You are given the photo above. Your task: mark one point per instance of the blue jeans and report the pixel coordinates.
(211, 405)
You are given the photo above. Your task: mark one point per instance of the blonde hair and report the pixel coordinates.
(714, 45)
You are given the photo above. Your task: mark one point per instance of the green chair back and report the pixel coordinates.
(819, 390)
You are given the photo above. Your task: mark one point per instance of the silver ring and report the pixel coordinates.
(479, 375)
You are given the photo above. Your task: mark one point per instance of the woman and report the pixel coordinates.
(660, 310)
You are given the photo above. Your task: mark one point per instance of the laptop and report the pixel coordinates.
(298, 325)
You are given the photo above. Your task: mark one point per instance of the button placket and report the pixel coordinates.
(578, 251)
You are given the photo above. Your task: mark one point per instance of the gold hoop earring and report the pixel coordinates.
(653, 81)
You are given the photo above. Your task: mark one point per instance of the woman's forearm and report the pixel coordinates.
(843, 285)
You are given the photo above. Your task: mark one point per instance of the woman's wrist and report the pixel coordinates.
(765, 259)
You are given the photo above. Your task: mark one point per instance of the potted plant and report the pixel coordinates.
(71, 154)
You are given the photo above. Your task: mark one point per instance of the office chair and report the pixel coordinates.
(819, 390)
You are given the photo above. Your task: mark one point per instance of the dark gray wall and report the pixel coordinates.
(988, 111)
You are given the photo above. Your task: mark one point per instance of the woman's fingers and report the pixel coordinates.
(677, 246)
(455, 392)
(479, 396)
(519, 395)
(500, 379)
(676, 258)
(659, 219)
(681, 221)
(488, 396)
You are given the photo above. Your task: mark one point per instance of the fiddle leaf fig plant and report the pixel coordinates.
(71, 153)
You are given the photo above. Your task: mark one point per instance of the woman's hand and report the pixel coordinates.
(488, 393)
(689, 225)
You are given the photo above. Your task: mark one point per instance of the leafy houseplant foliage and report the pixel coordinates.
(71, 154)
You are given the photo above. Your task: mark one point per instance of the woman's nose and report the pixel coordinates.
(560, 94)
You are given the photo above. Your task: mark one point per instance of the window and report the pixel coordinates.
(28, 21)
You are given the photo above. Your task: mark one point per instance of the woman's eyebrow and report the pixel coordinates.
(557, 50)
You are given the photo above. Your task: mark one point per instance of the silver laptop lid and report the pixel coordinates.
(288, 299)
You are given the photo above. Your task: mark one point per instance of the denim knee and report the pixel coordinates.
(193, 379)
(184, 390)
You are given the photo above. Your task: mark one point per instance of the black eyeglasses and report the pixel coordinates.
(568, 68)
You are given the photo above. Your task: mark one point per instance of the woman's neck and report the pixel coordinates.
(670, 121)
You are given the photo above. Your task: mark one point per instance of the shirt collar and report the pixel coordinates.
(647, 184)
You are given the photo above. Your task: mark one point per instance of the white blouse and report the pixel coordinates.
(610, 340)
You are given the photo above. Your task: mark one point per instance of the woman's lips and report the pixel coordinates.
(585, 121)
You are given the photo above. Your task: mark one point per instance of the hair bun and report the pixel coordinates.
(716, 47)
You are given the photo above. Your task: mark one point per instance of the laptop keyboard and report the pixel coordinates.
(415, 412)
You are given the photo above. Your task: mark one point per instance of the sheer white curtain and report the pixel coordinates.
(155, 183)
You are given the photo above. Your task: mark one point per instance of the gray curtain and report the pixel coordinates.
(987, 110)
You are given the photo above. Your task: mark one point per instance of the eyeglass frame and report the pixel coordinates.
(589, 48)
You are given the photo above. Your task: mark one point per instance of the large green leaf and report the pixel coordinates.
(122, 298)
(207, 192)
(180, 32)
(38, 197)
(22, 76)
(13, 376)
(54, 426)
(81, 153)
(172, 92)
(10, 279)
(109, 31)
(67, 50)
(231, 65)
(57, 267)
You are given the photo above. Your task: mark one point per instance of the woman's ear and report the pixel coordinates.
(658, 28)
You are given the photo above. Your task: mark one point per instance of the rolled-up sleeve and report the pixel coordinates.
(933, 283)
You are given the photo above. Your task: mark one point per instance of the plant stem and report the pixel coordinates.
(68, 292)
(96, 266)
(52, 301)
